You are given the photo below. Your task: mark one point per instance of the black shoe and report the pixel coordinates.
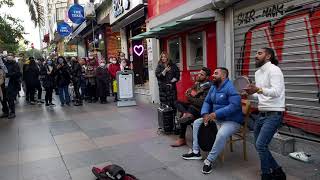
(32, 103)
(51, 104)
(192, 156)
(77, 104)
(47, 104)
(266, 177)
(4, 115)
(11, 116)
(68, 104)
(207, 167)
(278, 174)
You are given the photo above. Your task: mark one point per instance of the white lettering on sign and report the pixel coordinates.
(119, 6)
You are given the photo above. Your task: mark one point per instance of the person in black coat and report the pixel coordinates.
(76, 73)
(167, 74)
(63, 80)
(31, 77)
(49, 81)
(12, 86)
(103, 81)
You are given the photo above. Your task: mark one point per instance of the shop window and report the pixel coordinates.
(196, 50)
(174, 47)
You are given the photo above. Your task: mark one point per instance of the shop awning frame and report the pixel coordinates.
(182, 24)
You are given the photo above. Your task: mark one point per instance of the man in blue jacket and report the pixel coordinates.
(222, 105)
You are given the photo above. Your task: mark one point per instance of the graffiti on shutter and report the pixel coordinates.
(293, 30)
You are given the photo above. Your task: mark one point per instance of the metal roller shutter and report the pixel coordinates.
(292, 28)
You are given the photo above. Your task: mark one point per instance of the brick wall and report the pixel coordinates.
(112, 45)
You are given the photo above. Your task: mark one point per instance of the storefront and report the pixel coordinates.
(187, 30)
(292, 29)
(127, 17)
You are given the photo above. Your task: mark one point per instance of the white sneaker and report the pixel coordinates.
(302, 156)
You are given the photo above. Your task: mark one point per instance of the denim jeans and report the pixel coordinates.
(225, 130)
(64, 94)
(265, 128)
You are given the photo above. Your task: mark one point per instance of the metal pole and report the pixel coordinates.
(93, 39)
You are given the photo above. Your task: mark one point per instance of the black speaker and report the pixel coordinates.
(166, 118)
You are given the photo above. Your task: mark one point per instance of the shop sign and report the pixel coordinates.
(64, 29)
(122, 7)
(138, 50)
(119, 6)
(76, 14)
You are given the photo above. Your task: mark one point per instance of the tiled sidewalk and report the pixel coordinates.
(64, 143)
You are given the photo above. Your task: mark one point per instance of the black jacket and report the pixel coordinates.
(63, 76)
(76, 71)
(14, 76)
(31, 75)
(49, 79)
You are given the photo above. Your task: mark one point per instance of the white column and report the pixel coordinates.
(229, 38)
(124, 45)
(153, 58)
(220, 40)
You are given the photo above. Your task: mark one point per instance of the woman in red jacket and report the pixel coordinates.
(114, 67)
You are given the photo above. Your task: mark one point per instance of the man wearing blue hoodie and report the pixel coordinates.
(222, 105)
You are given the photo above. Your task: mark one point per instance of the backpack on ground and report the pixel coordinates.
(112, 172)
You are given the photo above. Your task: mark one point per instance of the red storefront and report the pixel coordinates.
(186, 33)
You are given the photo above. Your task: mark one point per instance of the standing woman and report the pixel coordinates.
(167, 74)
(63, 80)
(49, 82)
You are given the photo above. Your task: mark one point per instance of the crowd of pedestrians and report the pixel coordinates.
(74, 79)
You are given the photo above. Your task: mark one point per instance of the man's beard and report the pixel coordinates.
(259, 63)
(217, 82)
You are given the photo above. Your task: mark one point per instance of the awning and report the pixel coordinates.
(183, 24)
(78, 30)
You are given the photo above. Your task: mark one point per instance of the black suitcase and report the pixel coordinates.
(166, 119)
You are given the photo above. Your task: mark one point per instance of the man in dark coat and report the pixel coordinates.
(76, 72)
(190, 110)
(103, 81)
(12, 86)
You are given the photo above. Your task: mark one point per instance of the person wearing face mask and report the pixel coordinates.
(90, 76)
(114, 67)
(76, 72)
(31, 78)
(12, 86)
(63, 80)
(123, 57)
(103, 80)
(49, 82)
(123, 65)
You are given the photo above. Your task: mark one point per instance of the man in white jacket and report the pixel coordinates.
(270, 90)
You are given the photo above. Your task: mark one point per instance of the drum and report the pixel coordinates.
(207, 135)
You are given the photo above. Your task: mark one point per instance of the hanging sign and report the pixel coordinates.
(138, 50)
(76, 14)
(64, 29)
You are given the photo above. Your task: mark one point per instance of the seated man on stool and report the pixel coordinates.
(191, 110)
(222, 105)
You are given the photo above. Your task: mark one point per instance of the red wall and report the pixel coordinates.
(186, 80)
(158, 7)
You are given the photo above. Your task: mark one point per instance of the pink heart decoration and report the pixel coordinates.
(138, 49)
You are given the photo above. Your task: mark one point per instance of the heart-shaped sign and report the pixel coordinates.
(138, 49)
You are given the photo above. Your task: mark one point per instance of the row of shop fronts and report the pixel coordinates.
(213, 33)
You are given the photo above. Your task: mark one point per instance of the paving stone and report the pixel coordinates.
(108, 131)
(84, 159)
(61, 127)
